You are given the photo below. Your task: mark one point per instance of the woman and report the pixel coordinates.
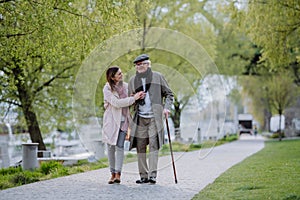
(115, 119)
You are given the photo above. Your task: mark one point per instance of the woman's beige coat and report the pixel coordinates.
(113, 112)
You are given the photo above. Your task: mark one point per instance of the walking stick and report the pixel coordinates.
(170, 144)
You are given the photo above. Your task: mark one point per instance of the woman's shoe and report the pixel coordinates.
(112, 178)
(117, 177)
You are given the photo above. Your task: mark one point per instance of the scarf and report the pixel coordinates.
(138, 85)
(122, 94)
(121, 91)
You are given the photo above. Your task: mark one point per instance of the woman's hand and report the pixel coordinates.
(139, 95)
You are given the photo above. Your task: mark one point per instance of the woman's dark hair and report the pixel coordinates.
(110, 73)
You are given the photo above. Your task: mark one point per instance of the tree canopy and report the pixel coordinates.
(42, 46)
(274, 26)
(44, 43)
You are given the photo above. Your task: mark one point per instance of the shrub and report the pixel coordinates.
(58, 172)
(5, 185)
(10, 170)
(231, 138)
(130, 155)
(48, 167)
(24, 177)
(276, 135)
(195, 146)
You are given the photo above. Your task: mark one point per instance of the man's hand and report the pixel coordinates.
(166, 112)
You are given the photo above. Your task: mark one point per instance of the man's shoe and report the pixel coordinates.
(142, 180)
(152, 180)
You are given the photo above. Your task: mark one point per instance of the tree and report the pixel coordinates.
(184, 17)
(27, 56)
(254, 87)
(274, 27)
(271, 95)
(282, 93)
(42, 46)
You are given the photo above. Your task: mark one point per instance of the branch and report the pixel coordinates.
(239, 56)
(154, 16)
(48, 83)
(40, 67)
(76, 14)
(6, 113)
(17, 34)
(10, 102)
(5, 1)
(284, 4)
(3, 66)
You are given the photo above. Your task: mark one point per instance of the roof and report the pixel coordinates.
(245, 116)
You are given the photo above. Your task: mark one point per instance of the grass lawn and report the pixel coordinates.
(272, 173)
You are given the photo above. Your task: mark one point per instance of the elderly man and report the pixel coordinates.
(147, 125)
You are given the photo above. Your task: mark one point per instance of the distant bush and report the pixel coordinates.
(130, 155)
(276, 135)
(231, 138)
(176, 147)
(195, 146)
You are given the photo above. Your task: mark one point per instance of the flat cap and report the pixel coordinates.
(140, 58)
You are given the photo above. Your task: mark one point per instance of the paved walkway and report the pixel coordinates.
(195, 170)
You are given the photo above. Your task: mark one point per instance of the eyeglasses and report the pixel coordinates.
(142, 63)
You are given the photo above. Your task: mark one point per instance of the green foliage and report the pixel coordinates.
(11, 177)
(276, 135)
(81, 162)
(271, 94)
(273, 26)
(195, 146)
(10, 170)
(63, 171)
(130, 155)
(236, 98)
(51, 166)
(193, 19)
(272, 173)
(129, 158)
(235, 52)
(183, 147)
(229, 138)
(7, 175)
(176, 147)
(281, 91)
(42, 47)
(25, 177)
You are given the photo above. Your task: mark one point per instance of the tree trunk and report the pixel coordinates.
(280, 136)
(26, 99)
(267, 119)
(176, 119)
(33, 127)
